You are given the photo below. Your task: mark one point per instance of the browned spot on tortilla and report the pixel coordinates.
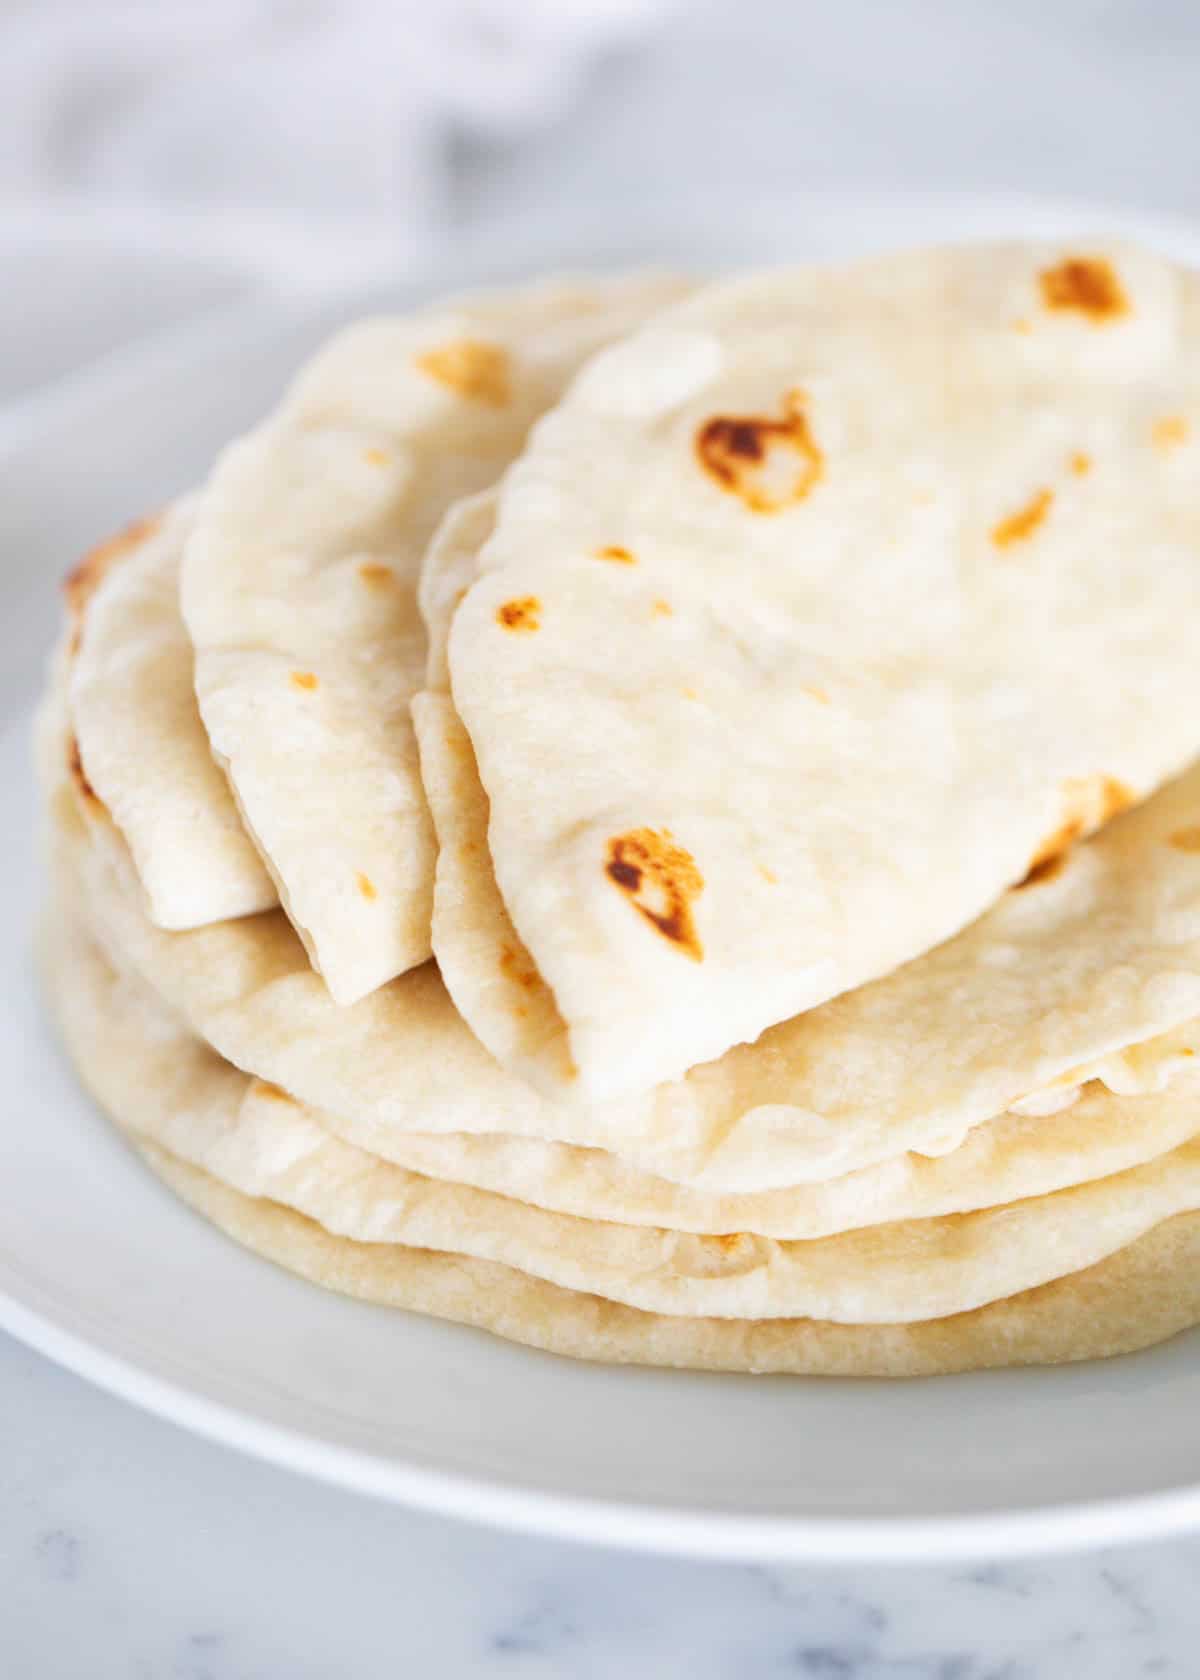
(614, 551)
(379, 577)
(1020, 526)
(276, 1093)
(1088, 803)
(816, 693)
(728, 1241)
(1186, 839)
(663, 609)
(1023, 325)
(689, 693)
(661, 880)
(1088, 285)
(474, 369)
(376, 457)
(517, 968)
(82, 582)
(304, 679)
(768, 874)
(365, 885)
(1081, 463)
(1186, 1052)
(1169, 432)
(79, 776)
(770, 464)
(521, 614)
(1046, 870)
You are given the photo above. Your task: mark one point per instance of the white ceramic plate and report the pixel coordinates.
(103, 1270)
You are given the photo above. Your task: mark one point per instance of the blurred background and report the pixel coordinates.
(163, 158)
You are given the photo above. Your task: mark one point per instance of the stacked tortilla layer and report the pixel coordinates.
(727, 739)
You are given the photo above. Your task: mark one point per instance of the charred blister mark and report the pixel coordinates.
(82, 582)
(521, 614)
(770, 464)
(306, 680)
(1186, 839)
(472, 368)
(1021, 525)
(619, 555)
(661, 881)
(1088, 286)
(661, 608)
(1080, 463)
(365, 886)
(1088, 803)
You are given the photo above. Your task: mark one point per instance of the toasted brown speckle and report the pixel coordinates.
(1021, 525)
(523, 614)
(81, 583)
(1088, 803)
(618, 555)
(276, 1093)
(1186, 839)
(769, 464)
(1080, 463)
(475, 370)
(768, 874)
(79, 777)
(377, 575)
(661, 880)
(376, 457)
(663, 609)
(815, 692)
(518, 969)
(1087, 285)
(365, 885)
(1169, 432)
(1045, 870)
(305, 680)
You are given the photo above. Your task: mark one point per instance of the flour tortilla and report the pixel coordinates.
(1008, 1159)
(402, 1060)
(448, 569)
(888, 1274)
(141, 742)
(1146, 1292)
(915, 545)
(299, 592)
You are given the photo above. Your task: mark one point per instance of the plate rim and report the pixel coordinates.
(488, 1498)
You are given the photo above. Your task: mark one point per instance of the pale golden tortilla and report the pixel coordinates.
(1146, 1292)
(815, 614)
(299, 592)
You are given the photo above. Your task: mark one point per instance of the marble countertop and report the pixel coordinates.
(131, 1551)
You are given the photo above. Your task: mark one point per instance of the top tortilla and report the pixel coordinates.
(819, 612)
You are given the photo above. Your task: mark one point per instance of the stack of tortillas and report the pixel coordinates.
(659, 820)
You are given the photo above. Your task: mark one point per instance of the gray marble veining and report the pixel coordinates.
(131, 1551)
